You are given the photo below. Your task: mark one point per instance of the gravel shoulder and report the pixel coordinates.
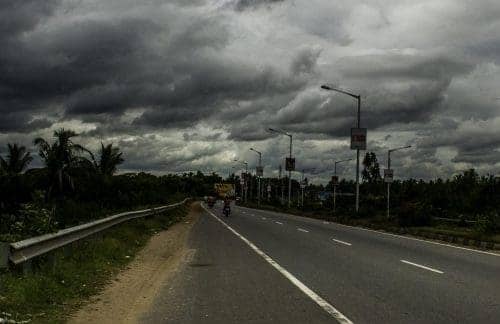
(133, 291)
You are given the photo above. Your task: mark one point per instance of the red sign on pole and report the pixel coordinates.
(358, 138)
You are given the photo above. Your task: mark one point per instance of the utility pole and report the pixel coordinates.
(388, 176)
(259, 173)
(335, 184)
(290, 168)
(281, 185)
(358, 98)
(244, 179)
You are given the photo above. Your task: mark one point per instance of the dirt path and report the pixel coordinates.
(134, 289)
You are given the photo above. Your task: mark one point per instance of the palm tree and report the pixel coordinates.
(109, 158)
(17, 160)
(60, 158)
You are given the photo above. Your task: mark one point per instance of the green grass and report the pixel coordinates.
(60, 283)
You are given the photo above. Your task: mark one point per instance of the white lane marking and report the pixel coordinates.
(279, 223)
(263, 218)
(341, 242)
(396, 235)
(422, 267)
(326, 223)
(302, 230)
(327, 307)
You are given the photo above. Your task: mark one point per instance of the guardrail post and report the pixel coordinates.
(4, 254)
(27, 267)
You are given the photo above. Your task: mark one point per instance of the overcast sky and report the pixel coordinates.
(193, 84)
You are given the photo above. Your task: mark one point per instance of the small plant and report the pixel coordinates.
(488, 223)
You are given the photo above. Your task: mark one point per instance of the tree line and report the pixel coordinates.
(414, 202)
(76, 185)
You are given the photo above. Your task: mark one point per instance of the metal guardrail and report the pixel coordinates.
(28, 249)
(455, 220)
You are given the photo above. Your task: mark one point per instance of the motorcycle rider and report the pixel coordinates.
(227, 205)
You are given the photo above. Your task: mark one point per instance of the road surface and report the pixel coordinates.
(265, 267)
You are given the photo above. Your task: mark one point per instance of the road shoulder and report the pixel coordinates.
(133, 291)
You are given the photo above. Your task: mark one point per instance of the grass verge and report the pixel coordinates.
(61, 282)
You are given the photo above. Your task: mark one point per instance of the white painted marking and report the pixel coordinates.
(326, 223)
(279, 223)
(263, 218)
(302, 230)
(341, 242)
(400, 236)
(422, 267)
(327, 307)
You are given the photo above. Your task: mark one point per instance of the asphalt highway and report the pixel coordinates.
(266, 267)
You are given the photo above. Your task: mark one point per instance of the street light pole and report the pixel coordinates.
(244, 180)
(289, 171)
(388, 183)
(358, 98)
(335, 186)
(260, 166)
(302, 184)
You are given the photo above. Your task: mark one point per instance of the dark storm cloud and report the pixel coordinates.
(411, 67)
(19, 16)
(179, 83)
(21, 123)
(245, 4)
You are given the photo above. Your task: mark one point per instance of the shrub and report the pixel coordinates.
(488, 223)
(414, 214)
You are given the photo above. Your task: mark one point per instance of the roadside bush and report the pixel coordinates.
(488, 223)
(31, 220)
(414, 214)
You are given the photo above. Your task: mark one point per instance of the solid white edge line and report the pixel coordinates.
(302, 230)
(341, 242)
(279, 223)
(422, 267)
(394, 235)
(341, 318)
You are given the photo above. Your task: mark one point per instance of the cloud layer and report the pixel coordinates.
(185, 85)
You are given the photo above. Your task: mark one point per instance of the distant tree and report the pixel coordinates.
(60, 158)
(371, 171)
(17, 160)
(109, 159)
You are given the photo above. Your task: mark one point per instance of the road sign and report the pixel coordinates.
(388, 175)
(335, 180)
(358, 138)
(260, 171)
(290, 164)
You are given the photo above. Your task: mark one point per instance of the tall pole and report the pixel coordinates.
(258, 176)
(335, 189)
(388, 183)
(357, 157)
(281, 185)
(302, 188)
(388, 186)
(358, 97)
(289, 171)
(246, 184)
(290, 176)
